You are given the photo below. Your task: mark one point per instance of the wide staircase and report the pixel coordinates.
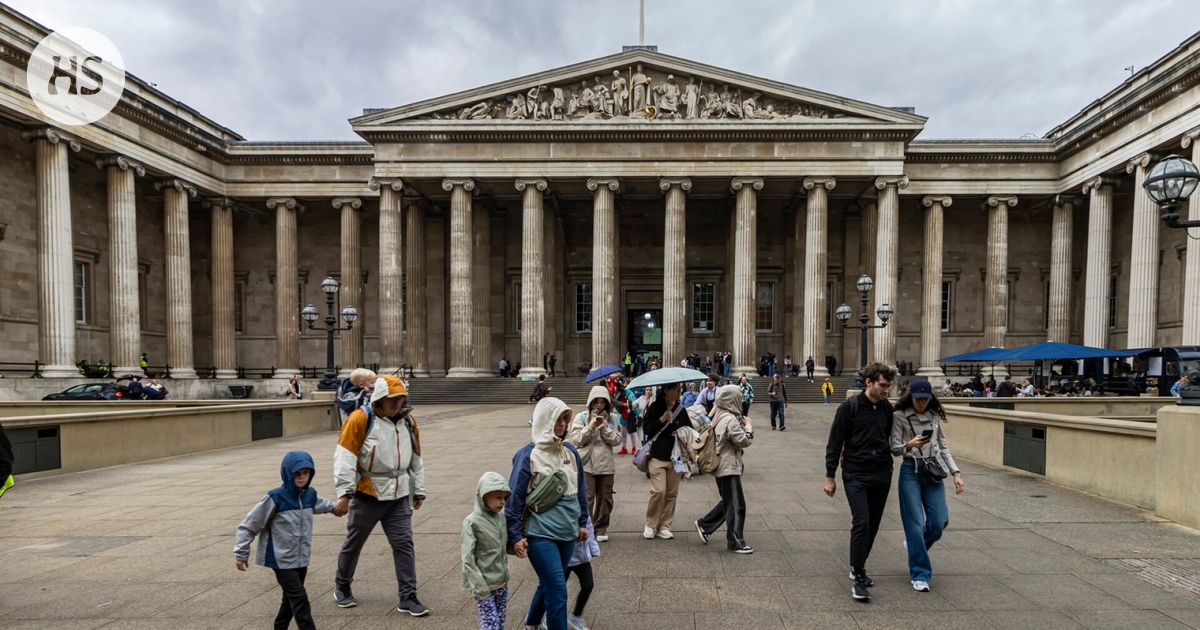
(508, 391)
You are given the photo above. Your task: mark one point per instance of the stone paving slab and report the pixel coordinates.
(149, 546)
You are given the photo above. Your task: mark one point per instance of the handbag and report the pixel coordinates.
(927, 467)
(641, 460)
(547, 493)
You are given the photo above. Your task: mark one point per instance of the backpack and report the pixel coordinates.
(704, 450)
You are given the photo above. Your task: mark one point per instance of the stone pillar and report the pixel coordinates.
(887, 264)
(675, 269)
(931, 288)
(124, 314)
(868, 238)
(414, 256)
(1059, 328)
(481, 291)
(351, 272)
(1099, 261)
(533, 284)
(461, 268)
(1191, 284)
(606, 298)
(224, 324)
(816, 259)
(745, 273)
(391, 269)
(1143, 261)
(56, 256)
(179, 276)
(995, 292)
(287, 289)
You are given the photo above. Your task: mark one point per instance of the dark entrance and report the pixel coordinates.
(645, 332)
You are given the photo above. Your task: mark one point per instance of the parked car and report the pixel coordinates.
(87, 391)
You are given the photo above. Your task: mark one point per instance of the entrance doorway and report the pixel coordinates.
(645, 332)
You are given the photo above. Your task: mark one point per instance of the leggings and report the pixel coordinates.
(586, 583)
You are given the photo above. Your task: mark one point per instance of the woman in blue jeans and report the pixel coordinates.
(922, 499)
(546, 533)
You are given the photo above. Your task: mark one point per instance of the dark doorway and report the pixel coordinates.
(645, 332)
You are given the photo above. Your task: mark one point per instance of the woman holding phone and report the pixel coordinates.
(917, 436)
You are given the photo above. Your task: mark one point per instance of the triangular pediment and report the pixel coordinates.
(636, 86)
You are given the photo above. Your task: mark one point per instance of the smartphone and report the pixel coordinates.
(928, 433)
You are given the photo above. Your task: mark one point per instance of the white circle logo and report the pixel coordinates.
(75, 76)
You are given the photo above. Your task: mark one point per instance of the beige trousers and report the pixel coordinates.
(664, 488)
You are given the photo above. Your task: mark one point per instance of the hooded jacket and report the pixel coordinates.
(484, 565)
(521, 479)
(379, 457)
(731, 434)
(595, 446)
(286, 513)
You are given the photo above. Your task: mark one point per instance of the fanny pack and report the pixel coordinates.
(547, 493)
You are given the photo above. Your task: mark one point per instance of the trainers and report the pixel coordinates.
(413, 607)
(920, 586)
(648, 533)
(700, 530)
(783, 428)
(865, 578)
(744, 549)
(576, 623)
(602, 537)
(623, 451)
(665, 534)
(859, 591)
(344, 598)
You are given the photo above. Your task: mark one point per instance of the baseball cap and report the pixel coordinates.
(921, 388)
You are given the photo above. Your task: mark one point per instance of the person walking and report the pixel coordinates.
(917, 437)
(628, 363)
(733, 432)
(594, 432)
(747, 391)
(859, 440)
(708, 395)
(664, 416)
(553, 362)
(777, 392)
(483, 558)
(827, 389)
(540, 389)
(809, 367)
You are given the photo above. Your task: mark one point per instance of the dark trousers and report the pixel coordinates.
(600, 500)
(867, 493)
(586, 584)
(396, 519)
(731, 511)
(295, 599)
(777, 409)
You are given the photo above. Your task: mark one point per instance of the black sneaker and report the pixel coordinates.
(413, 607)
(859, 591)
(743, 549)
(700, 530)
(865, 578)
(783, 428)
(344, 598)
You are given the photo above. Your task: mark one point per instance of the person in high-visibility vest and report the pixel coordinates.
(6, 462)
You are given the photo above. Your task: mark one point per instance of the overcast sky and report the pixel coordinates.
(297, 69)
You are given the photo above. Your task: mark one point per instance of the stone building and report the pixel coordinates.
(636, 201)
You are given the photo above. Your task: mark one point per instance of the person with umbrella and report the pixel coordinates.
(663, 417)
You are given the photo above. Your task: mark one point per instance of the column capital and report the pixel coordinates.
(810, 183)
(594, 183)
(942, 200)
(1098, 181)
(684, 183)
(995, 200)
(180, 185)
(287, 202)
(1064, 199)
(899, 181)
(538, 183)
(737, 183)
(121, 162)
(1189, 137)
(1141, 161)
(354, 202)
(450, 183)
(375, 183)
(224, 203)
(53, 136)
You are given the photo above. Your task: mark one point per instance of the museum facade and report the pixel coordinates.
(637, 201)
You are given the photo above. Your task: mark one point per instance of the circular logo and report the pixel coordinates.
(75, 76)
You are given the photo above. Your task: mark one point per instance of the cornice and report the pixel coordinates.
(646, 134)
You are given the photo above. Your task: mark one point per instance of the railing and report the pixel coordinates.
(250, 372)
(33, 369)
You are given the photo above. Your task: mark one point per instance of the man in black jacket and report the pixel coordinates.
(858, 438)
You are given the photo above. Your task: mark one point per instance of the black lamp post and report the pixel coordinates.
(1169, 183)
(843, 313)
(349, 315)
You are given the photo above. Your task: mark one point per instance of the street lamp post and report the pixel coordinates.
(1169, 183)
(349, 315)
(843, 314)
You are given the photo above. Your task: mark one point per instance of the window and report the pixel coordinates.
(1112, 301)
(83, 288)
(583, 308)
(764, 307)
(239, 306)
(947, 304)
(703, 306)
(831, 304)
(143, 295)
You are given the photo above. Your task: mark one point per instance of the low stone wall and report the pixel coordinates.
(1178, 486)
(30, 389)
(1093, 406)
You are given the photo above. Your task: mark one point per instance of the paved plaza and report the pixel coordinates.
(150, 546)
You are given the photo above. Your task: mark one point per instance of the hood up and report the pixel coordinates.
(489, 482)
(292, 463)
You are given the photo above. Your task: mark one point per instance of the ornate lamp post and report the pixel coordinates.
(843, 314)
(1169, 183)
(349, 315)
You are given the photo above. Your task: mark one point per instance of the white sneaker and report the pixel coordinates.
(648, 533)
(920, 586)
(601, 537)
(665, 534)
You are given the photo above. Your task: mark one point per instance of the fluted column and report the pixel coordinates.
(461, 267)
(124, 316)
(56, 300)
(351, 272)
(816, 261)
(1099, 261)
(1143, 261)
(391, 269)
(1059, 328)
(1191, 284)
(887, 262)
(287, 289)
(417, 344)
(745, 272)
(533, 285)
(224, 324)
(605, 290)
(176, 193)
(481, 292)
(931, 287)
(675, 268)
(868, 241)
(995, 296)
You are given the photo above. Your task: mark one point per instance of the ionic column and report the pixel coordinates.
(391, 269)
(887, 262)
(414, 257)
(1099, 261)
(745, 273)
(674, 268)
(481, 299)
(1143, 261)
(124, 315)
(931, 288)
(1191, 287)
(56, 256)
(533, 286)
(605, 291)
(816, 260)
(995, 296)
(351, 272)
(287, 290)
(224, 333)
(179, 276)
(868, 239)
(461, 267)
(1059, 328)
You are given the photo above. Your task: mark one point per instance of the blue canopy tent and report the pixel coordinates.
(986, 355)
(1054, 351)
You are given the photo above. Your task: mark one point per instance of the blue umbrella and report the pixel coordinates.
(667, 376)
(601, 372)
